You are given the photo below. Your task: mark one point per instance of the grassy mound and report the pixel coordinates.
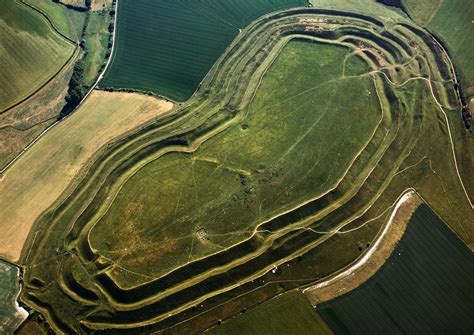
(279, 171)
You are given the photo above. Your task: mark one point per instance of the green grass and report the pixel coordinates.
(425, 287)
(9, 289)
(168, 46)
(31, 52)
(68, 21)
(453, 23)
(96, 37)
(247, 173)
(289, 313)
(422, 11)
(257, 160)
(368, 7)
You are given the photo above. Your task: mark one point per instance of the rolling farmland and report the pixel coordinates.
(32, 52)
(292, 143)
(68, 22)
(213, 206)
(424, 287)
(167, 46)
(38, 181)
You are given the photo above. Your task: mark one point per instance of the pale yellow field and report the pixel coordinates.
(40, 176)
(100, 4)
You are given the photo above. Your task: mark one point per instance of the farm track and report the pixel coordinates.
(72, 58)
(99, 302)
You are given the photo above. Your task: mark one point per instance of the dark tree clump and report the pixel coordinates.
(76, 90)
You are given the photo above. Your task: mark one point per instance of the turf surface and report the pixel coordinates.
(247, 173)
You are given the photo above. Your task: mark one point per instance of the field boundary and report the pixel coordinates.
(39, 88)
(8, 165)
(368, 190)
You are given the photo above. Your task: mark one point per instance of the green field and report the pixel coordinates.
(422, 11)
(9, 289)
(167, 46)
(452, 21)
(281, 169)
(241, 176)
(425, 287)
(32, 52)
(67, 21)
(96, 37)
(288, 314)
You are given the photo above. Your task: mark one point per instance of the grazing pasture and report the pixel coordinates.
(247, 173)
(68, 21)
(96, 42)
(10, 316)
(289, 313)
(422, 11)
(453, 23)
(282, 168)
(425, 287)
(41, 175)
(31, 53)
(167, 46)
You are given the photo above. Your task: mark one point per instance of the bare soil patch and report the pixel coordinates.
(97, 5)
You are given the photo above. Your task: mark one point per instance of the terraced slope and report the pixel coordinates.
(322, 206)
(185, 206)
(32, 52)
(167, 46)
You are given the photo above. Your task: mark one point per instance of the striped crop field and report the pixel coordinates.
(425, 287)
(31, 52)
(167, 46)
